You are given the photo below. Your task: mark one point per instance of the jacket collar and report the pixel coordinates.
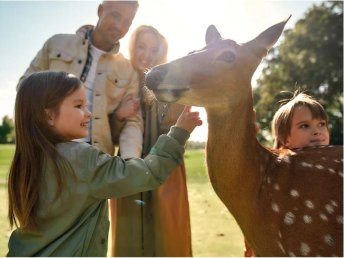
(86, 31)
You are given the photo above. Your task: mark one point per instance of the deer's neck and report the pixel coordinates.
(236, 161)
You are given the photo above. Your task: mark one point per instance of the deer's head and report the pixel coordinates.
(216, 75)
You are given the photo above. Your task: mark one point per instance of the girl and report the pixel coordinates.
(58, 188)
(299, 123)
(158, 220)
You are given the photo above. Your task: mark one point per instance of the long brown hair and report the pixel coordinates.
(35, 142)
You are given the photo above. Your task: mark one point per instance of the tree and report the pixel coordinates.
(7, 130)
(310, 58)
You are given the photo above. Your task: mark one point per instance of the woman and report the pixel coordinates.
(153, 223)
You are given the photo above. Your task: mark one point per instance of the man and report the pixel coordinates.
(92, 55)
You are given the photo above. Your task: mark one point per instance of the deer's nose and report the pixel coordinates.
(155, 77)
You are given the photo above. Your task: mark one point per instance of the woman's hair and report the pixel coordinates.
(35, 142)
(281, 122)
(162, 43)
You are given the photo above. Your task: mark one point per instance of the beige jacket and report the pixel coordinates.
(115, 80)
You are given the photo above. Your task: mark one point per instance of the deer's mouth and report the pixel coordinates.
(169, 95)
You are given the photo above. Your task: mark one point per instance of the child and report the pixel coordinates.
(301, 122)
(58, 189)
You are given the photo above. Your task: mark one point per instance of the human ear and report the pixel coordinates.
(50, 116)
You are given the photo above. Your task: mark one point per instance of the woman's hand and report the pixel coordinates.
(188, 120)
(127, 108)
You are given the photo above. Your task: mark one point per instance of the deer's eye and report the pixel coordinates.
(227, 56)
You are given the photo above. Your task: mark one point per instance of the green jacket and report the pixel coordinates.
(76, 224)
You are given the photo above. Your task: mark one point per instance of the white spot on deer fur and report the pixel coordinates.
(294, 193)
(289, 218)
(291, 254)
(319, 166)
(275, 207)
(307, 219)
(276, 187)
(323, 217)
(340, 219)
(281, 246)
(323, 158)
(279, 234)
(305, 164)
(337, 161)
(269, 180)
(304, 249)
(334, 203)
(329, 208)
(328, 239)
(331, 170)
(309, 204)
(340, 173)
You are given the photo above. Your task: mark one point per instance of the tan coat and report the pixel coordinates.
(155, 223)
(115, 80)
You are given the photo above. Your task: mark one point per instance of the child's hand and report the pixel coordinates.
(188, 120)
(127, 108)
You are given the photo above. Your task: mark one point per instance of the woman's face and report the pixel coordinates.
(145, 51)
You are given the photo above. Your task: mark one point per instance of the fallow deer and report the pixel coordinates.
(286, 204)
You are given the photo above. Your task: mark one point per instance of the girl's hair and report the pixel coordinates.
(162, 42)
(281, 122)
(35, 142)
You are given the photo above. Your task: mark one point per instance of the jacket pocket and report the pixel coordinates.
(115, 87)
(60, 60)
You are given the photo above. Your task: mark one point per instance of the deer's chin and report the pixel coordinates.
(169, 96)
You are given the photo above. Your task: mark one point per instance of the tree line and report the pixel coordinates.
(309, 58)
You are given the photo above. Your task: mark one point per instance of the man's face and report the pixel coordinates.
(115, 18)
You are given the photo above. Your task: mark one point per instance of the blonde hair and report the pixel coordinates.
(162, 43)
(281, 122)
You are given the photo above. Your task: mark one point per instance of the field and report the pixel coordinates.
(214, 231)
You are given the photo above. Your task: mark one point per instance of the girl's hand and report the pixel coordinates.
(188, 120)
(127, 108)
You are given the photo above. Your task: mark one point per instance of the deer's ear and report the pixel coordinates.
(265, 40)
(212, 35)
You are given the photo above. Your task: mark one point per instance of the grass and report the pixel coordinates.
(214, 231)
(6, 154)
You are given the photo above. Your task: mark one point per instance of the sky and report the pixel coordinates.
(26, 25)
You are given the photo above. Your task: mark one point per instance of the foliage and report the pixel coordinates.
(195, 145)
(310, 58)
(7, 130)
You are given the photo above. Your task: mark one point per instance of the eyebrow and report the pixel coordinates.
(302, 122)
(78, 100)
(306, 121)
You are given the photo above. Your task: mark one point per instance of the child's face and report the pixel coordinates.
(73, 118)
(307, 131)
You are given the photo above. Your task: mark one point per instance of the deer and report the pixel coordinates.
(286, 203)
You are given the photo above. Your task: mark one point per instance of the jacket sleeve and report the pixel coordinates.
(131, 136)
(39, 63)
(111, 176)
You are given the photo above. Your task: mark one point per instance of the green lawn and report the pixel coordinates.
(214, 231)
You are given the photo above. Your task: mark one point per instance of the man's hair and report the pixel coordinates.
(134, 3)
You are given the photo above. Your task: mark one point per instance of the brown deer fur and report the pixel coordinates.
(287, 204)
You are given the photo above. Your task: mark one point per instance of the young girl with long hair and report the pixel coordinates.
(58, 188)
